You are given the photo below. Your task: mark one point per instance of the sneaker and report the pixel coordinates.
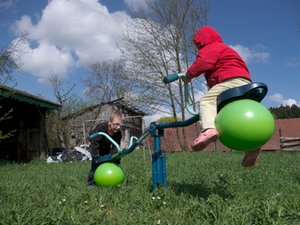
(204, 139)
(251, 158)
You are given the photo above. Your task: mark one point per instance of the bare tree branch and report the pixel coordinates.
(8, 63)
(159, 42)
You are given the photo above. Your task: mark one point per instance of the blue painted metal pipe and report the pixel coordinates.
(178, 123)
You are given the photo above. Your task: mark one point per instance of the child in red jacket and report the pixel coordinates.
(223, 68)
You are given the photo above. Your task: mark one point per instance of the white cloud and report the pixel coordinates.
(68, 34)
(279, 99)
(276, 97)
(251, 55)
(290, 102)
(44, 61)
(6, 4)
(294, 63)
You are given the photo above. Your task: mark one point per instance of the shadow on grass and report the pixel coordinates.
(200, 190)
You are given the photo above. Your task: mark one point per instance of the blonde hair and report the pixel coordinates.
(115, 114)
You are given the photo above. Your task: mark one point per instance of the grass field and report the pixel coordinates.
(203, 188)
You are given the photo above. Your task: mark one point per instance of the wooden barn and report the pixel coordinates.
(26, 123)
(80, 124)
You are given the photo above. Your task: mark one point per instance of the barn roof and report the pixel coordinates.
(118, 101)
(22, 96)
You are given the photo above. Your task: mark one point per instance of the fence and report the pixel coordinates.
(288, 143)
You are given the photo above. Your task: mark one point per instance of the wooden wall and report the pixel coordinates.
(80, 125)
(290, 128)
(29, 136)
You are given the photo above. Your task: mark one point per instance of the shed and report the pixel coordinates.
(26, 122)
(81, 123)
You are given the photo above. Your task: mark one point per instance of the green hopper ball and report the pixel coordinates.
(244, 125)
(109, 175)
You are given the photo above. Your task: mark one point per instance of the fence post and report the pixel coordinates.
(280, 139)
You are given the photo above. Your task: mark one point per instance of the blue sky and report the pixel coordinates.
(63, 36)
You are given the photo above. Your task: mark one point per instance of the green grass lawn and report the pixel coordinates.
(203, 188)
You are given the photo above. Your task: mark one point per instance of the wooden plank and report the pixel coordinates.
(287, 139)
(289, 145)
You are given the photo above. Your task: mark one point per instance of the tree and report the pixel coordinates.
(7, 66)
(6, 116)
(57, 128)
(106, 81)
(159, 42)
(284, 112)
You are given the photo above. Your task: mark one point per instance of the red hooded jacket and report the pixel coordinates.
(215, 59)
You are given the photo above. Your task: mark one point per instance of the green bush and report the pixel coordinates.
(167, 119)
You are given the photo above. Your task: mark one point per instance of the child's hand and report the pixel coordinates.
(185, 79)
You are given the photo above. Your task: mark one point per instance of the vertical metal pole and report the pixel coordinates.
(159, 172)
(84, 135)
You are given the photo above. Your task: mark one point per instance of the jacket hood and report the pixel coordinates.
(206, 35)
